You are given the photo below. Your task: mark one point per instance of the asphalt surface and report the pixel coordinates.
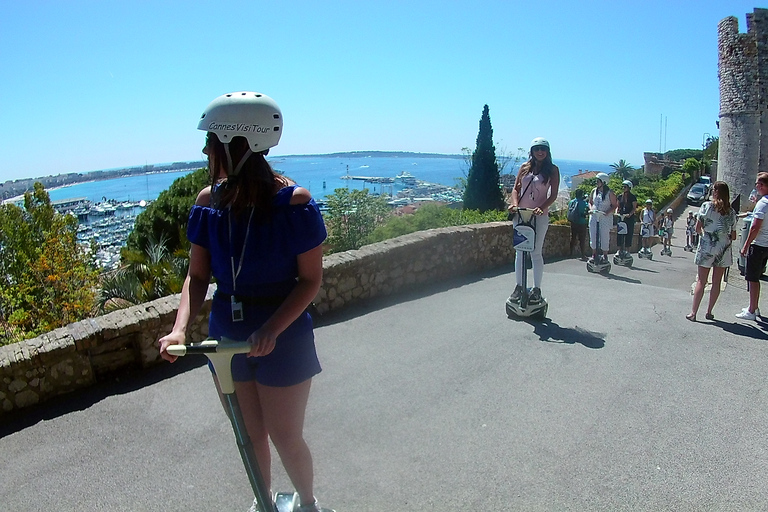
(437, 401)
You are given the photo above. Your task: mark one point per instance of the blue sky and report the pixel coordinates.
(90, 85)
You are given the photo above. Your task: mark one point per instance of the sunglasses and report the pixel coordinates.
(539, 148)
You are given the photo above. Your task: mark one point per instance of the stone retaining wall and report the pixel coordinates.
(85, 353)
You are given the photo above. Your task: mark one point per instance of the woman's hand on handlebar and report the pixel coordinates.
(538, 211)
(174, 338)
(262, 342)
(512, 208)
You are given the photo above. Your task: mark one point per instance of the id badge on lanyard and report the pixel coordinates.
(237, 310)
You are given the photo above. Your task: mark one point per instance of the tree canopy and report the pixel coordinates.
(483, 191)
(352, 216)
(166, 218)
(47, 280)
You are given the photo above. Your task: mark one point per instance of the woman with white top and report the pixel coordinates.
(601, 199)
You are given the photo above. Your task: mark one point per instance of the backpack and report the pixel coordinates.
(573, 210)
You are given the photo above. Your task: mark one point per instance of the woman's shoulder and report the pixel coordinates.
(204, 197)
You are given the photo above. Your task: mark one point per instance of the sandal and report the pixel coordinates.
(690, 317)
(709, 316)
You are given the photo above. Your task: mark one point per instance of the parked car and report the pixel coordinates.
(697, 194)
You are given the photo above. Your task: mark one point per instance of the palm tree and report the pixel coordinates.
(144, 276)
(622, 168)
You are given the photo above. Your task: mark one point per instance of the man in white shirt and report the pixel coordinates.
(756, 249)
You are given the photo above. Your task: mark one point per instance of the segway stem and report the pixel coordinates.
(220, 354)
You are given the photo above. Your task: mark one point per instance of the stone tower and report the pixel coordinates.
(743, 74)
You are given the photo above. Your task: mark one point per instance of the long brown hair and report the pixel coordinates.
(255, 184)
(546, 166)
(722, 201)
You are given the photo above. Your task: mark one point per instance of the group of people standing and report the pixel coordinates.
(595, 213)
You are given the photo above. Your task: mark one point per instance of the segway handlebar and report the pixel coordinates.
(211, 347)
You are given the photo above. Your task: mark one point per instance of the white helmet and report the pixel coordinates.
(539, 141)
(627, 183)
(669, 210)
(649, 201)
(252, 115)
(602, 177)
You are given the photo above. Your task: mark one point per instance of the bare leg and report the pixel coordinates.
(754, 295)
(698, 291)
(283, 410)
(714, 293)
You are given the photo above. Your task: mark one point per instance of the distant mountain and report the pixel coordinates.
(378, 154)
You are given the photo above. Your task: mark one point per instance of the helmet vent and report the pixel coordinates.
(276, 129)
(275, 116)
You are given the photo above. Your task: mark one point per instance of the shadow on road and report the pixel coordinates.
(614, 277)
(551, 332)
(640, 269)
(83, 399)
(757, 331)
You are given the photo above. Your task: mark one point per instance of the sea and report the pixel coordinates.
(115, 203)
(321, 174)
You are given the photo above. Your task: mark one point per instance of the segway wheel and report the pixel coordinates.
(606, 270)
(649, 255)
(616, 260)
(510, 313)
(542, 315)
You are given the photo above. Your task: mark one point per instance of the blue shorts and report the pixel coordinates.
(293, 360)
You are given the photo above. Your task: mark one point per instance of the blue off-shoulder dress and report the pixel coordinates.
(269, 272)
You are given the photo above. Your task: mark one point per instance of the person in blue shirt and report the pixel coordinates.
(260, 235)
(579, 223)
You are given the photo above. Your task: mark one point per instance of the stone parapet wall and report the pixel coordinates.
(85, 353)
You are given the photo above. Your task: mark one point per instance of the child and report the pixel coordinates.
(666, 227)
(646, 229)
(690, 232)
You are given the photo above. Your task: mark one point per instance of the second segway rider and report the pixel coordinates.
(601, 199)
(535, 187)
(627, 208)
(647, 221)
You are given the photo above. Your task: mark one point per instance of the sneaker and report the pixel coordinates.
(516, 294)
(313, 508)
(535, 295)
(746, 315)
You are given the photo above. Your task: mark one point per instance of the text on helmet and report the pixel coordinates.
(239, 127)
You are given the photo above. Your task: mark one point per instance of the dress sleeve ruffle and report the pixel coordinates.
(305, 224)
(197, 225)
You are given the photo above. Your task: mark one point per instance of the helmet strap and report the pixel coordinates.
(229, 158)
(247, 154)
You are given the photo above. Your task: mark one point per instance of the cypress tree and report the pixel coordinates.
(483, 191)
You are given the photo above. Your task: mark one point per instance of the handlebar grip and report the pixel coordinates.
(177, 350)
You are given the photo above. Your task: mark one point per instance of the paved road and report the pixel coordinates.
(437, 401)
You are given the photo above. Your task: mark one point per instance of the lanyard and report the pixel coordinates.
(232, 248)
